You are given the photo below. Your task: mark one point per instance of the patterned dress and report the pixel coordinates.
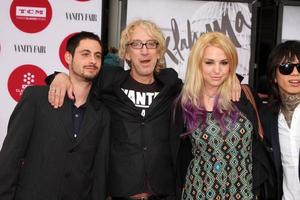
(222, 163)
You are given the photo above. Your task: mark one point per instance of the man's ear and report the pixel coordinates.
(127, 57)
(68, 57)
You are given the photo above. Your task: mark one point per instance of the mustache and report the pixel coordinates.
(91, 66)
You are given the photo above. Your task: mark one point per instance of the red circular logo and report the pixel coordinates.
(22, 77)
(62, 50)
(31, 16)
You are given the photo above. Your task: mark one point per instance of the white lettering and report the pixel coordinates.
(131, 95)
(140, 98)
(143, 113)
(22, 11)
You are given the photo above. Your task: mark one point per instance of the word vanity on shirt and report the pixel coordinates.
(141, 100)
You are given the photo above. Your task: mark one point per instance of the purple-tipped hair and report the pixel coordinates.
(195, 117)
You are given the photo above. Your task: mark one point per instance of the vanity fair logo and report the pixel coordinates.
(29, 48)
(62, 50)
(22, 77)
(82, 17)
(31, 16)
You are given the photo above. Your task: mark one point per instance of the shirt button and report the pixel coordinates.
(76, 115)
(143, 123)
(270, 149)
(145, 148)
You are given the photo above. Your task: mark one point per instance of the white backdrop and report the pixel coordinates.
(290, 23)
(183, 21)
(31, 33)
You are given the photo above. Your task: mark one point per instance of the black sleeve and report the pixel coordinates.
(181, 149)
(49, 79)
(101, 166)
(240, 77)
(14, 147)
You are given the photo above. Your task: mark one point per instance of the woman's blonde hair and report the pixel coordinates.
(191, 96)
(152, 30)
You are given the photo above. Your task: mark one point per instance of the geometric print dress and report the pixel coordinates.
(222, 163)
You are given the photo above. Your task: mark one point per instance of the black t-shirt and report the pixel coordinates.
(142, 95)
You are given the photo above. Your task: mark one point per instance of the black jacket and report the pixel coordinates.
(40, 160)
(270, 121)
(140, 146)
(263, 173)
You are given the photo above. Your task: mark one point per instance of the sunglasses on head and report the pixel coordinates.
(288, 68)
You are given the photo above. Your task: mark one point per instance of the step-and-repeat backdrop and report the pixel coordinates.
(33, 36)
(290, 22)
(183, 21)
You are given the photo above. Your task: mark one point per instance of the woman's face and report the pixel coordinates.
(289, 83)
(215, 68)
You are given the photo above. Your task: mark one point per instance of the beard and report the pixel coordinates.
(88, 78)
(85, 72)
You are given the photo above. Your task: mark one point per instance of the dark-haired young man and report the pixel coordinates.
(282, 117)
(59, 154)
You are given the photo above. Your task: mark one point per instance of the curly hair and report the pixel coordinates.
(153, 30)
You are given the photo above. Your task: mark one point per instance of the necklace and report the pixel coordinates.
(210, 96)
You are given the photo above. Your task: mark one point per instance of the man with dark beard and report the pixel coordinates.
(59, 154)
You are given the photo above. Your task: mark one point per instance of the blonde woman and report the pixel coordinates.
(228, 158)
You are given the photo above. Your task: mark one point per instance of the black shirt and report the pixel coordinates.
(142, 95)
(77, 118)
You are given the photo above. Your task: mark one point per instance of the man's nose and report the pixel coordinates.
(144, 49)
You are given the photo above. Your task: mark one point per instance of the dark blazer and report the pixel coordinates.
(270, 122)
(41, 160)
(140, 146)
(263, 173)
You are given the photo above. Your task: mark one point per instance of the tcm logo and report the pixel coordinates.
(33, 12)
(31, 16)
(22, 77)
